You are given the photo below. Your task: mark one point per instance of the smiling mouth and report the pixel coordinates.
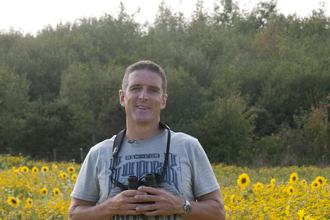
(142, 107)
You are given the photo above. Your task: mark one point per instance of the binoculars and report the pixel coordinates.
(134, 183)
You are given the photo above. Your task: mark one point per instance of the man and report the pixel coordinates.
(189, 190)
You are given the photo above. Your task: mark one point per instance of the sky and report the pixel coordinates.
(31, 16)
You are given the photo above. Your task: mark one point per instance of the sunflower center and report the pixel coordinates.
(294, 178)
(243, 180)
(13, 201)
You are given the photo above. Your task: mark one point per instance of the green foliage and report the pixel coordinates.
(224, 132)
(91, 91)
(14, 107)
(237, 80)
(47, 127)
(186, 100)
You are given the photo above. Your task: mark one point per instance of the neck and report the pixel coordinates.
(142, 132)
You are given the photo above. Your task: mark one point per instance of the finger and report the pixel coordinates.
(146, 198)
(152, 213)
(146, 208)
(150, 190)
(132, 193)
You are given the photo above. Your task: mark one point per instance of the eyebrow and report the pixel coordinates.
(137, 85)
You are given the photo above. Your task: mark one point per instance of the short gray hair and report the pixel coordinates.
(145, 65)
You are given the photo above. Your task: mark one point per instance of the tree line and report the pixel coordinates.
(252, 86)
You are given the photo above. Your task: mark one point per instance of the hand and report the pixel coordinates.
(124, 203)
(165, 202)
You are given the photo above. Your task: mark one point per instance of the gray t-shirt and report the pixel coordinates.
(189, 174)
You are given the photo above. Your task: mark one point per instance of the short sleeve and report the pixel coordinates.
(204, 180)
(87, 186)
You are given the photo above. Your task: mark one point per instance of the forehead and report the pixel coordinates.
(144, 77)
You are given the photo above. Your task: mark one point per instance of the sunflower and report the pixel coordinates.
(54, 167)
(258, 186)
(44, 169)
(243, 180)
(56, 192)
(16, 171)
(287, 211)
(63, 175)
(315, 184)
(232, 199)
(74, 177)
(293, 178)
(28, 188)
(35, 170)
(29, 202)
(43, 191)
(272, 182)
(321, 180)
(290, 190)
(13, 201)
(24, 169)
(226, 208)
(301, 214)
(71, 169)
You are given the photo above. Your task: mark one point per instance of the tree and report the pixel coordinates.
(226, 129)
(14, 107)
(92, 93)
(186, 100)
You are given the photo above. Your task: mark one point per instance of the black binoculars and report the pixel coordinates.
(134, 183)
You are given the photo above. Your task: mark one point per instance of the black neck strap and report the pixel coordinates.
(116, 148)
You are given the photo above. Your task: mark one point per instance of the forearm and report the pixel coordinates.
(209, 206)
(95, 212)
(208, 209)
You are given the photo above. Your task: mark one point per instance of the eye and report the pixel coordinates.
(135, 88)
(154, 90)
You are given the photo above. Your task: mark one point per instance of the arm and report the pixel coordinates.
(209, 206)
(121, 204)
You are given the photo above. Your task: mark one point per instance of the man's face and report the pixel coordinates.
(143, 98)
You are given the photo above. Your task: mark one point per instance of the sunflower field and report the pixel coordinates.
(275, 193)
(35, 189)
(41, 190)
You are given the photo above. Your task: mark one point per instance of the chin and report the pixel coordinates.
(144, 121)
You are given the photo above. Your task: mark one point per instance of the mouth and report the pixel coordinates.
(142, 107)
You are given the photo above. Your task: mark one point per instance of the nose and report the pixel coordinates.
(144, 94)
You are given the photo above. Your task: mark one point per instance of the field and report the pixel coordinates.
(39, 190)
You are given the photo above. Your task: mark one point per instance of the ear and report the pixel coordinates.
(164, 101)
(122, 98)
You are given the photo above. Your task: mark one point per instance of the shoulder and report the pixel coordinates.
(102, 147)
(183, 139)
(180, 136)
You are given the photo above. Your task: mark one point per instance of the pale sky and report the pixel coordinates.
(29, 16)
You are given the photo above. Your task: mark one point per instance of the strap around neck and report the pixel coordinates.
(118, 143)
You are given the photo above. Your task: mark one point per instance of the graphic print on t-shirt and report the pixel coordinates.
(142, 164)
